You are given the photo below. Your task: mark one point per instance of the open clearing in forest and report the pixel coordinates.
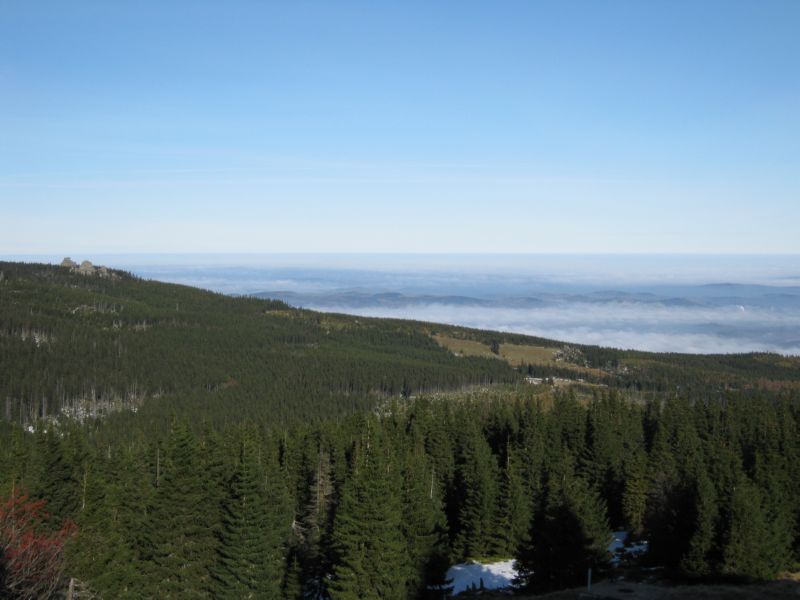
(523, 355)
(514, 354)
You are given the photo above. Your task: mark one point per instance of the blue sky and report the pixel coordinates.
(660, 126)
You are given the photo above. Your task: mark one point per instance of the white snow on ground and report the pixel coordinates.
(618, 548)
(498, 575)
(495, 575)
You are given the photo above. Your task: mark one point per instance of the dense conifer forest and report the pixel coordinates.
(92, 344)
(160, 441)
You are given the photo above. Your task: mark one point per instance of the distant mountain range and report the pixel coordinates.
(713, 295)
(691, 304)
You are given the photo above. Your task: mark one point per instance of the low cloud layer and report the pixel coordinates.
(656, 327)
(652, 303)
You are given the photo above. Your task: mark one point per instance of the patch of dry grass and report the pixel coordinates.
(514, 354)
(522, 355)
(464, 347)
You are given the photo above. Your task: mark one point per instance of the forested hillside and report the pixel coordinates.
(279, 453)
(92, 344)
(378, 506)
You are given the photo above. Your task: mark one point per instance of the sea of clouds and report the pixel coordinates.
(651, 326)
(658, 303)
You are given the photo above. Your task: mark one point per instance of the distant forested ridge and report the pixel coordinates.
(278, 453)
(89, 343)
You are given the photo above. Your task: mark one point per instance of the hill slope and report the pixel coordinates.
(91, 344)
(74, 341)
(697, 455)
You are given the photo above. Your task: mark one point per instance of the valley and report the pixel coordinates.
(190, 443)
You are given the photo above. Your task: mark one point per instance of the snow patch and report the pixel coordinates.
(501, 574)
(620, 549)
(495, 576)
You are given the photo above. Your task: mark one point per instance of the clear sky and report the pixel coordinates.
(640, 126)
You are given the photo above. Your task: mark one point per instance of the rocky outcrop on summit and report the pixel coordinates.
(87, 268)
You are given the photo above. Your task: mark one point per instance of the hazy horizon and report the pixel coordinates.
(547, 151)
(773, 269)
(673, 303)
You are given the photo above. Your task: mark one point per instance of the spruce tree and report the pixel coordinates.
(242, 568)
(180, 537)
(59, 478)
(513, 515)
(371, 558)
(423, 524)
(476, 496)
(279, 514)
(772, 477)
(753, 548)
(634, 496)
(698, 559)
(569, 534)
(103, 553)
(312, 528)
(293, 582)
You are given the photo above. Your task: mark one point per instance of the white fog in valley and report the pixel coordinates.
(679, 303)
(654, 327)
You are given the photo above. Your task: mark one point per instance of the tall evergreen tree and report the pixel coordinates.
(752, 548)
(634, 496)
(60, 471)
(312, 527)
(476, 495)
(280, 513)
(698, 560)
(293, 582)
(568, 536)
(371, 555)
(243, 569)
(182, 543)
(513, 515)
(103, 553)
(423, 524)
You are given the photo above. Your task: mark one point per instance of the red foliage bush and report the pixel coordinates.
(31, 558)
